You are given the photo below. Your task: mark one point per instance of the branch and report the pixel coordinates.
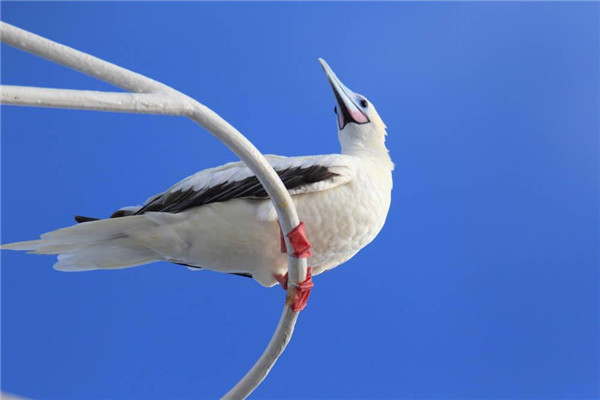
(144, 103)
(79, 61)
(162, 99)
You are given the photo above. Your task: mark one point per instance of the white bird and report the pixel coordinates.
(221, 219)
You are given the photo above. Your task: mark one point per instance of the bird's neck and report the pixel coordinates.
(370, 147)
(379, 153)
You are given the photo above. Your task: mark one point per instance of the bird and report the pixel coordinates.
(222, 219)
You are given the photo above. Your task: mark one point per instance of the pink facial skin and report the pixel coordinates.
(358, 116)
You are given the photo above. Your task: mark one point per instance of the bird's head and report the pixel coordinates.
(360, 129)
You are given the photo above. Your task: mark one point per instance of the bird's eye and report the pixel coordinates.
(335, 109)
(364, 103)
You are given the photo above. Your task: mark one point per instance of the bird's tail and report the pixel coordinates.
(101, 244)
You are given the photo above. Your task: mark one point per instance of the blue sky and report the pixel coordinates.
(484, 283)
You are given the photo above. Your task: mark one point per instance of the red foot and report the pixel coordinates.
(302, 289)
(298, 240)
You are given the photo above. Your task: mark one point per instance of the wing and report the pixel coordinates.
(235, 181)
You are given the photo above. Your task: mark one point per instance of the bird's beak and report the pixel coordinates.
(347, 109)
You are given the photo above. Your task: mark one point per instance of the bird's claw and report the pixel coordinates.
(302, 292)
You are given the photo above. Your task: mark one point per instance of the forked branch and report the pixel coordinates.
(152, 97)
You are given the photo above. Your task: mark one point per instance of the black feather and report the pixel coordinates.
(180, 200)
(250, 188)
(244, 274)
(81, 218)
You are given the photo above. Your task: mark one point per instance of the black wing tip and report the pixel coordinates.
(244, 274)
(122, 213)
(80, 218)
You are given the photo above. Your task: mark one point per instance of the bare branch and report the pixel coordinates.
(161, 99)
(143, 103)
(79, 61)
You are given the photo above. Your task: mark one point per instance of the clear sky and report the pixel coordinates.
(484, 283)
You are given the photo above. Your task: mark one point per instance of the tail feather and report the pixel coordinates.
(97, 230)
(105, 255)
(97, 244)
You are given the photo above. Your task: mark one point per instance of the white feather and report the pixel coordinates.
(342, 215)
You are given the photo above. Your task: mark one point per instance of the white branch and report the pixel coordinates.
(144, 103)
(162, 99)
(79, 61)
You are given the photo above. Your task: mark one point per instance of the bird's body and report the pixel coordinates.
(221, 219)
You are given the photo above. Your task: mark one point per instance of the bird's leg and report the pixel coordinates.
(298, 240)
(301, 247)
(282, 279)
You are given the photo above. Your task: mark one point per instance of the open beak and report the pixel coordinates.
(347, 109)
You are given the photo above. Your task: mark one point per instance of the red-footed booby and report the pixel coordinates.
(221, 218)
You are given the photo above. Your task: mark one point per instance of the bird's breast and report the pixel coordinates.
(345, 219)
